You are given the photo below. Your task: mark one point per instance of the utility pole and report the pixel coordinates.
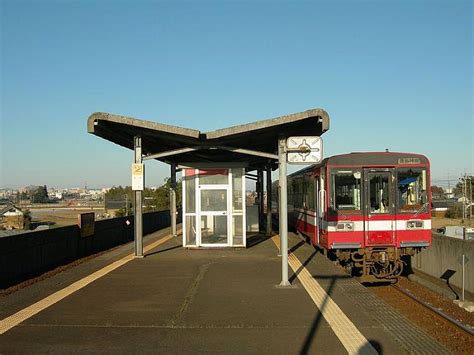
(463, 189)
(173, 200)
(470, 199)
(283, 210)
(126, 204)
(105, 202)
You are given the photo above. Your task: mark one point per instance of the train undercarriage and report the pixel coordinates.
(373, 264)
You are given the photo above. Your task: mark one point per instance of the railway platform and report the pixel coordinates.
(176, 300)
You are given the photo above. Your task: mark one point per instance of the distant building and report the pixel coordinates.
(449, 193)
(96, 194)
(5, 193)
(55, 195)
(12, 217)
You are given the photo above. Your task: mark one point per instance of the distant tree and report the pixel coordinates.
(40, 195)
(437, 192)
(153, 200)
(161, 196)
(437, 189)
(454, 211)
(118, 193)
(458, 190)
(25, 196)
(27, 219)
(120, 212)
(44, 192)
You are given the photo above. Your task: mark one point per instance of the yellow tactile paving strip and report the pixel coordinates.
(350, 337)
(15, 319)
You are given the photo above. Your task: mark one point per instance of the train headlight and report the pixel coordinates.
(345, 226)
(414, 224)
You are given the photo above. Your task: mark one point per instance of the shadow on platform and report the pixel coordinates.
(163, 250)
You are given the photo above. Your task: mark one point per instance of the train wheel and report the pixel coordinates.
(349, 268)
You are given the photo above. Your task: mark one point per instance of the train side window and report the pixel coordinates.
(345, 191)
(411, 189)
(322, 194)
(310, 194)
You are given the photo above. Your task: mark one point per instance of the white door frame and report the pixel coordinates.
(230, 211)
(200, 213)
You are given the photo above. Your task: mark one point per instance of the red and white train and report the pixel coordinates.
(366, 210)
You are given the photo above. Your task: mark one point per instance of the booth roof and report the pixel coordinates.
(261, 136)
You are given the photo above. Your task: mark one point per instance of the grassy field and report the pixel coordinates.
(59, 217)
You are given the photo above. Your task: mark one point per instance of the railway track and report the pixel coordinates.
(450, 319)
(439, 317)
(464, 327)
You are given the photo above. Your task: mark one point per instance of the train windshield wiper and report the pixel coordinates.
(421, 209)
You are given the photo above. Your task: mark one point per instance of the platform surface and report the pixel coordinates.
(207, 301)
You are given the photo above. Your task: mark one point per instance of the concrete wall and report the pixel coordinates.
(27, 255)
(445, 254)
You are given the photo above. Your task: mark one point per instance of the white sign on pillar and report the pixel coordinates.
(304, 150)
(138, 173)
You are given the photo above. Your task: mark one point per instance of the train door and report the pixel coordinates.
(379, 218)
(322, 237)
(316, 210)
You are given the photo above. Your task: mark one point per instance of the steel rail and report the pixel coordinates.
(464, 327)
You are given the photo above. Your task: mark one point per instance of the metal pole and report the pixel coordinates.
(464, 199)
(173, 200)
(257, 188)
(470, 200)
(260, 199)
(138, 202)
(463, 282)
(126, 204)
(283, 218)
(269, 200)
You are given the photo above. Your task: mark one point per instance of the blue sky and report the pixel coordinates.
(391, 74)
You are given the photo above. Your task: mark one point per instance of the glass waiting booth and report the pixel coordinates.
(214, 208)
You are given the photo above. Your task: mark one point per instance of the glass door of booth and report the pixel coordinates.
(214, 208)
(214, 221)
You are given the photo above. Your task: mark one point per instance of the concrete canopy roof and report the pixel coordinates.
(211, 147)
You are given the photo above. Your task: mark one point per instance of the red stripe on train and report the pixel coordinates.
(375, 238)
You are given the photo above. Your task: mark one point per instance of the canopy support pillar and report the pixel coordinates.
(173, 200)
(269, 200)
(138, 225)
(283, 210)
(260, 199)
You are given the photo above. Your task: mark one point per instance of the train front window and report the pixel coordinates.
(345, 191)
(412, 190)
(379, 192)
